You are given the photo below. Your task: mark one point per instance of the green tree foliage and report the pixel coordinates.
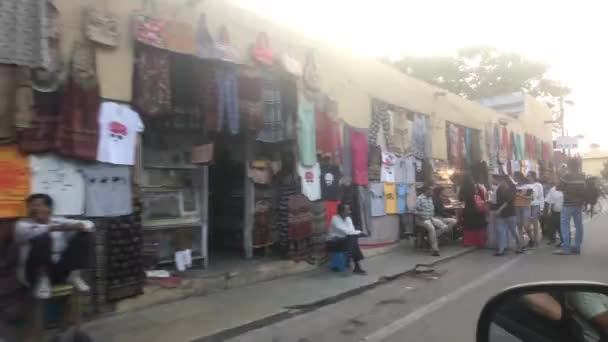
(482, 71)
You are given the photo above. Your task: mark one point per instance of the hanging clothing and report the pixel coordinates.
(273, 129)
(61, 179)
(40, 136)
(311, 181)
(207, 93)
(327, 135)
(306, 134)
(78, 128)
(286, 190)
(389, 169)
(118, 130)
(378, 203)
(108, 190)
(152, 86)
(390, 196)
(289, 105)
(453, 144)
(402, 190)
(374, 162)
(380, 119)
(331, 210)
(29, 33)
(347, 156)
(467, 144)
(330, 178)
(365, 209)
(8, 92)
(228, 99)
(14, 182)
(205, 46)
(358, 141)
(250, 97)
(419, 135)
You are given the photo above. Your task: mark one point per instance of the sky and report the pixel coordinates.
(569, 35)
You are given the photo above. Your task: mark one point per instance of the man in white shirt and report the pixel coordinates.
(555, 202)
(536, 207)
(343, 237)
(52, 249)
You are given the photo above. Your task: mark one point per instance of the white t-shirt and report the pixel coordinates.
(61, 179)
(537, 188)
(389, 163)
(311, 181)
(556, 198)
(340, 227)
(118, 129)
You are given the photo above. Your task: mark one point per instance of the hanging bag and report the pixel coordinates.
(101, 27)
(147, 28)
(261, 51)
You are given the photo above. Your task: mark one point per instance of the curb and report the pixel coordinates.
(297, 310)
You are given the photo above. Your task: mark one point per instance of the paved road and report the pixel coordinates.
(443, 306)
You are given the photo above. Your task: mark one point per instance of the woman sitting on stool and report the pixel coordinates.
(53, 249)
(344, 238)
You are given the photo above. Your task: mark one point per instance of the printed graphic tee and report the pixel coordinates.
(61, 179)
(389, 167)
(377, 202)
(390, 195)
(310, 178)
(118, 129)
(402, 198)
(107, 190)
(330, 179)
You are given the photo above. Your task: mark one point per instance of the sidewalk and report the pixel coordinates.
(197, 317)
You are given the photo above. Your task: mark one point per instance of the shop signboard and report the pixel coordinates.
(566, 143)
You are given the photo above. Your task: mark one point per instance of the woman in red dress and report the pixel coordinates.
(474, 213)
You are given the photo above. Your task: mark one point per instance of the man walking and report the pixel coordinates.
(572, 185)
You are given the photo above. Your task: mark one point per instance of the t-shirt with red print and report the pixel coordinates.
(118, 129)
(310, 177)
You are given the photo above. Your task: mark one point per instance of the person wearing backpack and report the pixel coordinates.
(574, 188)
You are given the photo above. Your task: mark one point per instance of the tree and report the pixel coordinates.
(482, 71)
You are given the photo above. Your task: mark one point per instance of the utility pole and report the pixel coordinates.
(561, 117)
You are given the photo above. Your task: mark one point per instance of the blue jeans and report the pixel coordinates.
(575, 213)
(228, 105)
(506, 226)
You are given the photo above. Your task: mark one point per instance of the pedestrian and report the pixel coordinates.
(536, 207)
(474, 213)
(441, 213)
(554, 201)
(572, 185)
(506, 219)
(425, 212)
(344, 238)
(523, 201)
(53, 249)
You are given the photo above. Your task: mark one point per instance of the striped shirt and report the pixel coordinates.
(573, 187)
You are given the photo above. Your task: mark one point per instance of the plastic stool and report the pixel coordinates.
(338, 261)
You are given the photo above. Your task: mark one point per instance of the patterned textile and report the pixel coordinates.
(273, 129)
(289, 105)
(151, 81)
(380, 119)
(77, 129)
(282, 221)
(8, 90)
(419, 135)
(300, 217)
(28, 30)
(250, 97)
(40, 136)
(207, 93)
(374, 162)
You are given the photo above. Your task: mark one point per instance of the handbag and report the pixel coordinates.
(101, 27)
(147, 28)
(202, 154)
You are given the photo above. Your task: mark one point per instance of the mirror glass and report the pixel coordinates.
(568, 316)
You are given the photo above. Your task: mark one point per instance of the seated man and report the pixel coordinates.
(343, 237)
(425, 212)
(52, 249)
(441, 214)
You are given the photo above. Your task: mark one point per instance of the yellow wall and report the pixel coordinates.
(349, 79)
(594, 166)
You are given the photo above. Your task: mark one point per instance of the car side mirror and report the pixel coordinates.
(546, 312)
